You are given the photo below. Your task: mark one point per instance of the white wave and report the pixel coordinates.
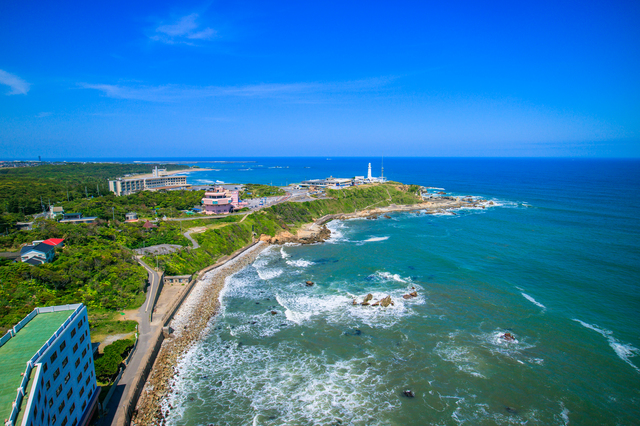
(245, 384)
(391, 277)
(300, 263)
(623, 350)
(373, 239)
(460, 356)
(534, 301)
(564, 414)
(337, 235)
(269, 274)
(283, 253)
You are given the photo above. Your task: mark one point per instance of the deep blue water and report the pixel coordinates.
(556, 262)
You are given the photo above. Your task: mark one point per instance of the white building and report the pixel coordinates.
(46, 369)
(157, 181)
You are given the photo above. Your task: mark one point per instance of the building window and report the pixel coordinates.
(86, 366)
(84, 352)
(64, 421)
(58, 390)
(75, 348)
(56, 373)
(54, 356)
(67, 377)
(81, 391)
(44, 367)
(82, 338)
(53, 420)
(63, 345)
(75, 422)
(73, 407)
(61, 407)
(84, 404)
(69, 393)
(65, 361)
(77, 362)
(73, 332)
(79, 377)
(48, 385)
(86, 382)
(80, 324)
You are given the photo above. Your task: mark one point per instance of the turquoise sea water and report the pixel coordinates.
(556, 262)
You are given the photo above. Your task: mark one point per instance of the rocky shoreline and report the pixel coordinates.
(186, 328)
(202, 304)
(318, 232)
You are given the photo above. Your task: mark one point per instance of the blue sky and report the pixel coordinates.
(158, 79)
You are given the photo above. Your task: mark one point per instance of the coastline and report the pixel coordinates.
(194, 315)
(172, 172)
(186, 329)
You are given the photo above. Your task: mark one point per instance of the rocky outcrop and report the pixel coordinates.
(310, 234)
(386, 301)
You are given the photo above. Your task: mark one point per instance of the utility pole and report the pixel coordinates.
(113, 213)
(86, 193)
(97, 189)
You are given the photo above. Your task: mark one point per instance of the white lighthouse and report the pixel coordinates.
(369, 174)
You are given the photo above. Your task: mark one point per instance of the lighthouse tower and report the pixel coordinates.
(369, 174)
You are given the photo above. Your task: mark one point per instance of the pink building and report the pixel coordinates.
(221, 201)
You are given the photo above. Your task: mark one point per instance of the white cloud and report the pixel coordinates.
(290, 91)
(18, 86)
(186, 28)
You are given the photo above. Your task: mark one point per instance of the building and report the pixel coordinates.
(37, 254)
(55, 212)
(177, 279)
(131, 217)
(46, 369)
(157, 181)
(220, 201)
(77, 218)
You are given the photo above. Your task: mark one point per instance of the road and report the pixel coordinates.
(146, 329)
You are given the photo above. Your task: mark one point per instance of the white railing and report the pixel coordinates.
(25, 380)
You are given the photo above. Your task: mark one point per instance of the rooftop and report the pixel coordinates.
(19, 349)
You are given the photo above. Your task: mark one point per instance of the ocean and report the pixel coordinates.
(555, 262)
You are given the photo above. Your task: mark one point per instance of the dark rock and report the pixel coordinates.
(413, 294)
(274, 313)
(386, 216)
(309, 283)
(508, 337)
(511, 410)
(386, 302)
(368, 297)
(409, 393)
(406, 296)
(355, 302)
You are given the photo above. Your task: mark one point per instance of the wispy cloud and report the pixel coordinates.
(288, 91)
(18, 86)
(183, 31)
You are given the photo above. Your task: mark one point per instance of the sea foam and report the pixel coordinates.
(623, 350)
(534, 301)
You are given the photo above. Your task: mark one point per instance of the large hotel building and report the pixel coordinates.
(47, 375)
(130, 185)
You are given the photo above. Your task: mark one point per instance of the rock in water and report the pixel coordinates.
(406, 296)
(386, 302)
(409, 393)
(355, 302)
(413, 294)
(309, 283)
(368, 297)
(274, 313)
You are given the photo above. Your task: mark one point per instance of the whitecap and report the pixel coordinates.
(299, 263)
(534, 301)
(623, 350)
(391, 277)
(374, 239)
(283, 253)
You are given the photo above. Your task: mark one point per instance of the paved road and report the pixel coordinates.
(146, 329)
(188, 236)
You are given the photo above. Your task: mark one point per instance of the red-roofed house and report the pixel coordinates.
(149, 225)
(56, 242)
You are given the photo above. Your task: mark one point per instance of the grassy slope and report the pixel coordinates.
(286, 216)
